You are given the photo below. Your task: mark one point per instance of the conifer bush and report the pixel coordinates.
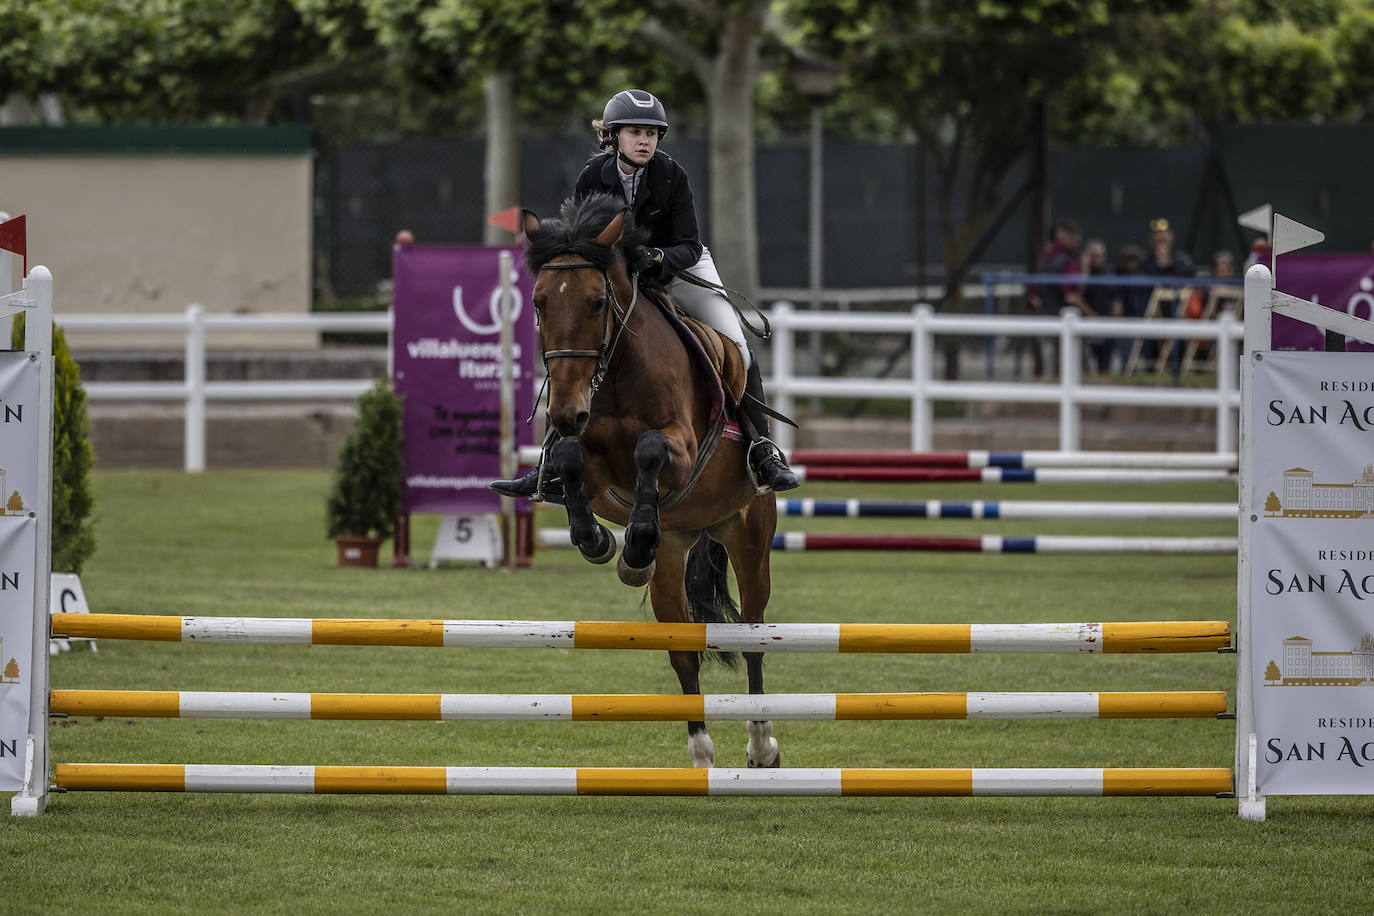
(365, 495)
(73, 501)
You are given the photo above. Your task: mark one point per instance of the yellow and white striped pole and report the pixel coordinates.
(640, 781)
(1091, 638)
(638, 707)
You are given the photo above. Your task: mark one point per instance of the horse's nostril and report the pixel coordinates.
(580, 421)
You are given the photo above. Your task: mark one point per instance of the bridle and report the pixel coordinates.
(603, 353)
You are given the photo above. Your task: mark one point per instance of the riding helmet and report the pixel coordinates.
(635, 106)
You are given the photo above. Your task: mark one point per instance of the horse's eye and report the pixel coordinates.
(598, 305)
(538, 306)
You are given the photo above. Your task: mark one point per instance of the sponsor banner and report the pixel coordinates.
(19, 377)
(1344, 282)
(447, 362)
(1312, 573)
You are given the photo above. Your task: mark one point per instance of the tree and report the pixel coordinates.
(720, 43)
(1272, 504)
(15, 506)
(1272, 675)
(12, 671)
(962, 77)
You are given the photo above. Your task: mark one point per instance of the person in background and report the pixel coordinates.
(1100, 301)
(1060, 256)
(1164, 260)
(1259, 254)
(1134, 299)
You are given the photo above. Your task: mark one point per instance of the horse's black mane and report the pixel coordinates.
(575, 229)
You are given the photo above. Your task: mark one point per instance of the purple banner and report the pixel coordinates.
(446, 349)
(1344, 282)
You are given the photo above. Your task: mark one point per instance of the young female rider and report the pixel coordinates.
(657, 192)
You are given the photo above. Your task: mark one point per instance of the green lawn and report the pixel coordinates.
(251, 544)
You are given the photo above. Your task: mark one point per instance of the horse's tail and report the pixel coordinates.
(708, 590)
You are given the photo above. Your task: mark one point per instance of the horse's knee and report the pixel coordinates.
(566, 456)
(651, 451)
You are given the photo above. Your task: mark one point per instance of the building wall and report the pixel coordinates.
(152, 221)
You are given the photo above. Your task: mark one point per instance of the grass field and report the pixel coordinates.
(251, 544)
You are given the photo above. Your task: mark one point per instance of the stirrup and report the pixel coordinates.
(780, 476)
(527, 485)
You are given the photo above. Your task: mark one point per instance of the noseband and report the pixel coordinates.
(606, 350)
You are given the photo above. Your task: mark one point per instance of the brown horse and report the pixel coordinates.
(634, 414)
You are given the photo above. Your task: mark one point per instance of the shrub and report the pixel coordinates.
(73, 502)
(366, 493)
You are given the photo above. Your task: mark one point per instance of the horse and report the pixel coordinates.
(639, 445)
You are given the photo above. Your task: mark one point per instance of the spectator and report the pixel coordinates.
(1060, 256)
(1259, 254)
(1164, 260)
(1134, 299)
(1223, 264)
(1100, 301)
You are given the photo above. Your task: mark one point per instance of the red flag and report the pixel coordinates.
(508, 220)
(12, 238)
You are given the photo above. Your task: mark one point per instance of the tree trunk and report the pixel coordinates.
(733, 235)
(502, 189)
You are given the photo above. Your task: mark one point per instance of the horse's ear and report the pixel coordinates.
(613, 231)
(529, 224)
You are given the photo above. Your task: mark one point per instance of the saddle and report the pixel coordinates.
(720, 361)
(723, 355)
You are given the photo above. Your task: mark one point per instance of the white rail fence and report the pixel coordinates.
(922, 388)
(193, 391)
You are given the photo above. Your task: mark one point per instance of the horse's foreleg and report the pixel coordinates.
(636, 565)
(590, 536)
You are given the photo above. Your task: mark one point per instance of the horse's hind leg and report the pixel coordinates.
(636, 564)
(668, 596)
(590, 536)
(749, 544)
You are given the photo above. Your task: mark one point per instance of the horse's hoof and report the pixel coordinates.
(635, 578)
(777, 760)
(605, 555)
(762, 750)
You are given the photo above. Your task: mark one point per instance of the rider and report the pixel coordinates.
(657, 192)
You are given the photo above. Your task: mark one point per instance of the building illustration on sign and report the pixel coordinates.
(1304, 667)
(10, 673)
(1303, 497)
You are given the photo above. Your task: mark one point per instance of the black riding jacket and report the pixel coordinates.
(663, 205)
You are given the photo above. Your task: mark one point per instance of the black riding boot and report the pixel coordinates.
(525, 486)
(765, 459)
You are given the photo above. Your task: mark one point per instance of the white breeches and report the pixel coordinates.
(709, 306)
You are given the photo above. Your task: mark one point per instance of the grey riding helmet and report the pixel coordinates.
(635, 106)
